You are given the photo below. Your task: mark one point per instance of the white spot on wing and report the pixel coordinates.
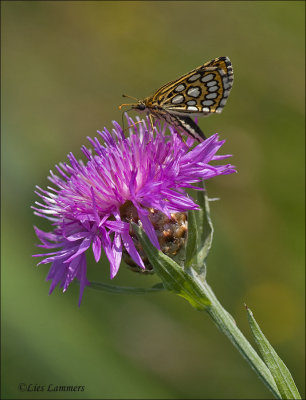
(219, 109)
(191, 103)
(177, 99)
(213, 89)
(207, 78)
(226, 93)
(194, 77)
(206, 110)
(212, 83)
(227, 83)
(211, 96)
(222, 102)
(192, 108)
(194, 91)
(207, 103)
(179, 88)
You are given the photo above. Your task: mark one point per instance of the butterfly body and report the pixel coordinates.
(201, 92)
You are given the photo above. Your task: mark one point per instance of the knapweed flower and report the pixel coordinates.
(148, 170)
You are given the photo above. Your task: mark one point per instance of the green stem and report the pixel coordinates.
(227, 325)
(192, 285)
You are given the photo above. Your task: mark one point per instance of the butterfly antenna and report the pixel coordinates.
(129, 104)
(129, 97)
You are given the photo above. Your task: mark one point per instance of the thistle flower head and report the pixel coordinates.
(88, 203)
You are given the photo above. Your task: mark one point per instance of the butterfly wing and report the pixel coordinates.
(201, 92)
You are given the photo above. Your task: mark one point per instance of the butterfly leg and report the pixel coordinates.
(131, 126)
(151, 118)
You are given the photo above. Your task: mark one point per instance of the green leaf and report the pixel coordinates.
(200, 234)
(186, 284)
(278, 369)
(104, 287)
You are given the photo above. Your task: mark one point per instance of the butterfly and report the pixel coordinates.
(201, 92)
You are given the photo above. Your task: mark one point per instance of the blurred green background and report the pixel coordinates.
(64, 68)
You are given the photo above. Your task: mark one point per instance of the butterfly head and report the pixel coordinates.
(139, 105)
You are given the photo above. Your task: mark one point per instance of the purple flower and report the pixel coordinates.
(146, 169)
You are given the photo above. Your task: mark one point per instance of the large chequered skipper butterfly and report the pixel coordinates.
(200, 92)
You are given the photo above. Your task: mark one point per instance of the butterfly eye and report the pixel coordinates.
(140, 106)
